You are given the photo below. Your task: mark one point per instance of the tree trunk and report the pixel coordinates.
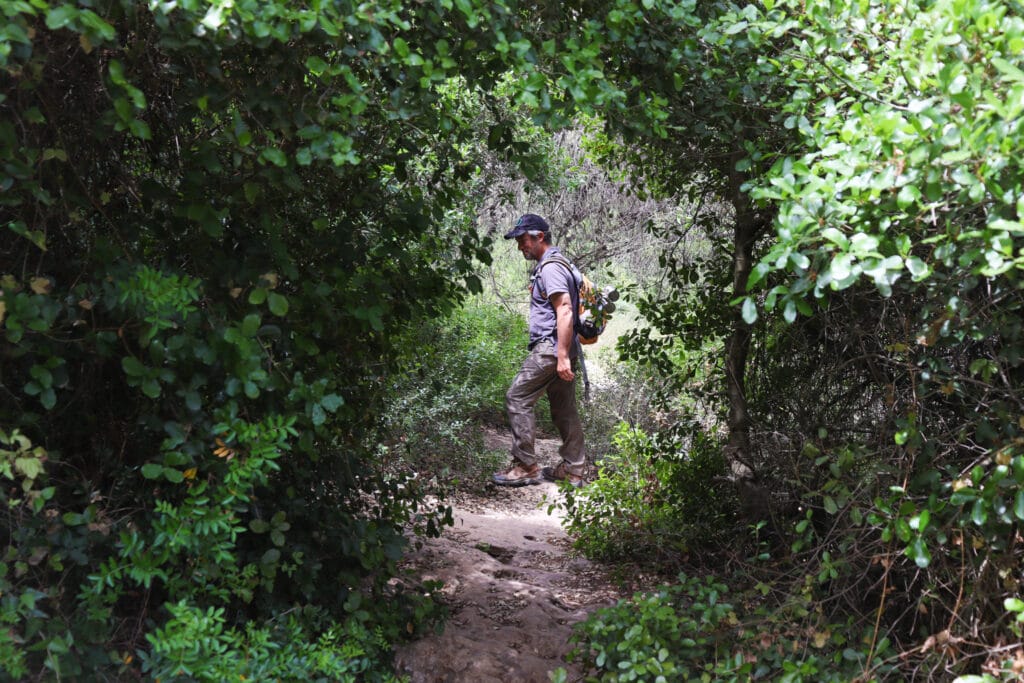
(749, 225)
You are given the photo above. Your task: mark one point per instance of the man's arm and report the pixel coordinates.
(562, 304)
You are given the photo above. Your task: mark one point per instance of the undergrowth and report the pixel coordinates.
(455, 377)
(649, 504)
(695, 630)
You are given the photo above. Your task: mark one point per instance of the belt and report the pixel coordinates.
(533, 344)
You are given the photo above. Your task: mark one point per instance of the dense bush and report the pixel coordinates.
(688, 632)
(196, 645)
(651, 501)
(453, 381)
(220, 221)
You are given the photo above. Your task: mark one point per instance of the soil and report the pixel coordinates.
(512, 583)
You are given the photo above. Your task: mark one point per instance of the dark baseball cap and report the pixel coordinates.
(528, 222)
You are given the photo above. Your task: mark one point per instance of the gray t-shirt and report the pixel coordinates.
(549, 280)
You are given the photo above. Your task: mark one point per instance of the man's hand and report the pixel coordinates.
(565, 368)
(562, 304)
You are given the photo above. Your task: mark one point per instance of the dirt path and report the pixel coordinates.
(513, 586)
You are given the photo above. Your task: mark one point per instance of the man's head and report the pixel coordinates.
(530, 223)
(532, 234)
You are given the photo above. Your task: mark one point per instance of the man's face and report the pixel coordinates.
(529, 245)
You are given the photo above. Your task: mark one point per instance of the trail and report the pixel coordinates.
(512, 584)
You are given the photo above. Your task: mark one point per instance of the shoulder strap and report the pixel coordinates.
(574, 290)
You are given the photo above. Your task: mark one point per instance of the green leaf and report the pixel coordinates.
(316, 65)
(979, 514)
(172, 475)
(132, 367)
(749, 311)
(918, 268)
(152, 470)
(140, 129)
(251, 325)
(331, 402)
(908, 195)
(738, 27)
(830, 505)
(214, 17)
(48, 398)
(758, 274)
(29, 467)
(919, 553)
(60, 16)
(151, 388)
(258, 296)
(1008, 69)
(841, 267)
(274, 156)
(836, 237)
(789, 311)
(863, 244)
(278, 304)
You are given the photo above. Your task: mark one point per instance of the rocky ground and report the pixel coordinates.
(513, 585)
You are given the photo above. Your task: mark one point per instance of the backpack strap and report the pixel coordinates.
(574, 288)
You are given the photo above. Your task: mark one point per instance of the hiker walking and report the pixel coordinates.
(549, 366)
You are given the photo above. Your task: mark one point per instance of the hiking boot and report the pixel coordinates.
(519, 475)
(563, 472)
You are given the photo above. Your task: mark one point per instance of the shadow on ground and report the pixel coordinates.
(512, 584)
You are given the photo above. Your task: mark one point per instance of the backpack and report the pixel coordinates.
(591, 308)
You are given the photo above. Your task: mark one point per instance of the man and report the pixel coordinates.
(548, 368)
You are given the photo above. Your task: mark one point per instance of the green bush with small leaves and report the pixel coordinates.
(651, 502)
(453, 380)
(687, 632)
(197, 645)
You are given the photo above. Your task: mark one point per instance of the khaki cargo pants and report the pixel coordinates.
(537, 376)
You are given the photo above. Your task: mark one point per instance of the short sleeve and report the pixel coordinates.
(554, 279)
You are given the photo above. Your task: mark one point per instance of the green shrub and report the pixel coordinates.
(687, 632)
(197, 645)
(456, 372)
(649, 502)
(661, 636)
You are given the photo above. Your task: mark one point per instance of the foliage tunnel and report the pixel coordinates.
(224, 222)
